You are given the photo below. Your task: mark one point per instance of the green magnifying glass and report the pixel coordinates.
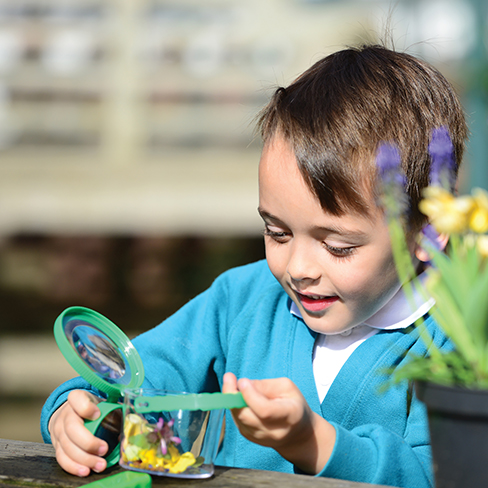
(104, 356)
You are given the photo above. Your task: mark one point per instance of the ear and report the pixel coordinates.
(429, 241)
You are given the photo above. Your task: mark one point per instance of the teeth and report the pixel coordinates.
(315, 297)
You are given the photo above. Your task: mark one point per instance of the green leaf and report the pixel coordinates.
(401, 254)
(452, 273)
(198, 462)
(473, 263)
(451, 320)
(140, 440)
(477, 315)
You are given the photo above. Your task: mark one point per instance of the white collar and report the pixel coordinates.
(397, 313)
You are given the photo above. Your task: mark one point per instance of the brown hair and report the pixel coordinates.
(337, 113)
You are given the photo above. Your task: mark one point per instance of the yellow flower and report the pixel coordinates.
(133, 425)
(179, 462)
(483, 245)
(447, 213)
(478, 221)
(174, 462)
(173, 452)
(148, 458)
(185, 461)
(435, 200)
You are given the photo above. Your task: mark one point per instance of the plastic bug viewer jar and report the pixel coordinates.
(169, 434)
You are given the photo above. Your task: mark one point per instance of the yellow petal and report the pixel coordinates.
(185, 461)
(160, 462)
(148, 456)
(173, 452)
(437, 193)
(480, 197)
(431, 208)
(450, 223)
(463, 204)
(478, 221)
(133, 425)
(483, 245)
(438, 201)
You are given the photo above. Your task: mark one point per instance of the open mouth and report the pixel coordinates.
(316, 303)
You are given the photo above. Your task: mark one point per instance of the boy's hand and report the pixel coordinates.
(77, 450)
(278, 416)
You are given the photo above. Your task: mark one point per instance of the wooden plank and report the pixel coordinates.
(32, 464)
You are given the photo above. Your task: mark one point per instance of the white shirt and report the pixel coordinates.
(331, 351)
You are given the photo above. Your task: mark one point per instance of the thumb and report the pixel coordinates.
(253, 397)
(230, 383)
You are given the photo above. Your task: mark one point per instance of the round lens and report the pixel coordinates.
(97, 351)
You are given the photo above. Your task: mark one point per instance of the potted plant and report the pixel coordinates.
(453, 385)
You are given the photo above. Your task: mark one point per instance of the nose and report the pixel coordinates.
(303, 266)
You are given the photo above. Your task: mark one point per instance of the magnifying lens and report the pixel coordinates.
(104, 356)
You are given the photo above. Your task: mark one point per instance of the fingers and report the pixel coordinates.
(230, 383)
(255, 400)
(77, 461)
(263, 396)
(77, 450)
(262, 411)
(272, 388)
(84, 404)
(275, 411)
(270, 398)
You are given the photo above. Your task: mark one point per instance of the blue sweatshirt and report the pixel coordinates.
(242, 324)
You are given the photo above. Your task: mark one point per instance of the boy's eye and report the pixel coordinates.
(340, 252)
(278, 236)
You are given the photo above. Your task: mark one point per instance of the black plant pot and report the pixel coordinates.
(458, 423)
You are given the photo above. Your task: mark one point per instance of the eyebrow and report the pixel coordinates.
(347, 233)
(266, 215)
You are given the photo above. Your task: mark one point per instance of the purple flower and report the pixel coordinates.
(163, 434)
(441, 150)
(391, 180)
(430, 238)
(388, 161)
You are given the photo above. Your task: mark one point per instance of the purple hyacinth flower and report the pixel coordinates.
(441, 150)
(431, 237)
(391, 180)
(389, 165)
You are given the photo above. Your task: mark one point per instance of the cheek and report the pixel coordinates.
(371, 279)
(276, 259)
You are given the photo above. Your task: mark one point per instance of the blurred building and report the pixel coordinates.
(123, 116)
(136, 116)
(126, 126)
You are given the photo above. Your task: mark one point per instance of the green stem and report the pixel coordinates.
(407, 274)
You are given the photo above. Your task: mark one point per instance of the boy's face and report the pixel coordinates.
(338, 270)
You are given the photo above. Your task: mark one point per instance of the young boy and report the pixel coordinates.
(318, 325)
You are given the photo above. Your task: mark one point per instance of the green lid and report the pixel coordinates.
(99, 351)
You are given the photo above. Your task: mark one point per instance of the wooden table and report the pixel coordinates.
(32, 464)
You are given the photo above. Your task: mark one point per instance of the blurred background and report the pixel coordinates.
(127, 154)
